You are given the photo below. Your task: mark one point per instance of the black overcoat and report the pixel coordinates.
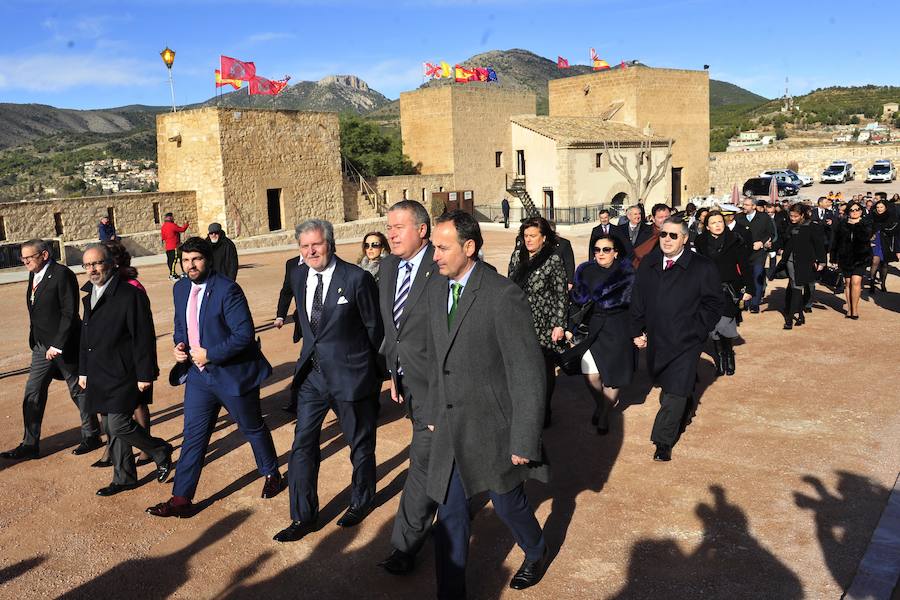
(806, 243)
(733, 264)
(118, 347)
(852, 247)
(677, 308)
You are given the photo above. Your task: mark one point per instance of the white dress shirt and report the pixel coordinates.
(187, 308)
(415, 261)
(312, 281)
(39, 276)
(462, 281)
(97, 292)
(674, 259)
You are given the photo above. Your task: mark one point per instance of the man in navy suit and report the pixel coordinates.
(338, 307)
(219, 359)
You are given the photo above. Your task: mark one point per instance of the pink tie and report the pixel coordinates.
(193, 324)
(669, 263)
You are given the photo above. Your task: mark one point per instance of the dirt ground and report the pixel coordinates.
(774, 490)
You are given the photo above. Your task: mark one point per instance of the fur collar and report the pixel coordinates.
(526, 266)
(615, 292)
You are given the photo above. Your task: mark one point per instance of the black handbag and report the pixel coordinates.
(569, 360)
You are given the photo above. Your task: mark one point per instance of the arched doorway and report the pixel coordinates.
(619, 199)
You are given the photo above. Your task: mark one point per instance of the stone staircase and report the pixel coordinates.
(516, 187)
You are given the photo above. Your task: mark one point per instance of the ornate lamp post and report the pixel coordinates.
(168, 57)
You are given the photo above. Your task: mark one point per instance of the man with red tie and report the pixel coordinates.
(52, 300)
(676, 302)
(221, 363)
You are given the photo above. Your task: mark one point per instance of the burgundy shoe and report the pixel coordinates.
(175, 506)
(274, 484)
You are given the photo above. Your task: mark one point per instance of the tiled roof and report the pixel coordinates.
(583, 130)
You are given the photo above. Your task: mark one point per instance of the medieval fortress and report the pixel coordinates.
(258, 172)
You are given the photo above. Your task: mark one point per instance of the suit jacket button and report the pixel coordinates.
(449, 406)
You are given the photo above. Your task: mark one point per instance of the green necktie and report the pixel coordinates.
(455, 291)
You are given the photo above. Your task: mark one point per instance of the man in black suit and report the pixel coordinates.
(52, 301)
(634, 232)
(759, 233)
(117, 363)
(337, 370)
(604, 227)
(406, 275)
(676, 301)
(487, 384)
(285, 297)
(825, 218)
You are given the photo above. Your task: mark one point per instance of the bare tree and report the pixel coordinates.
(644, 176)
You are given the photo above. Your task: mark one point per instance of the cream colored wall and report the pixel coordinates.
(426, 128)
(541, 165)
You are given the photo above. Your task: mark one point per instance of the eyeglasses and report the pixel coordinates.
(669, 234)
(856, 209)
(603, 249)
(93, 265)
(372, 245)
(27, 259)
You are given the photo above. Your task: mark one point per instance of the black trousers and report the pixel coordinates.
(674, 412)
(40, 374)
(453, 530)
(125, 433)
(172, 259)
(416, 512)
(357, 421)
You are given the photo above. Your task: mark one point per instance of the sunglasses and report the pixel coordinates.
(856, 209)
(669, 234)
(603, 249)
(372, 245)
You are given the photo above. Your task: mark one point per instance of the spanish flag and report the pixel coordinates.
(464, 75)
(236, 83)
(601, 65)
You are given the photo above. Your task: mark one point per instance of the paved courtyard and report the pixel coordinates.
(774, 490)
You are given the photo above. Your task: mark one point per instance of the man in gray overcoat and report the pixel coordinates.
(487, 388)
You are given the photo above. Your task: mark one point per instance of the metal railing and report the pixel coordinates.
(11, 253)
(569, 215)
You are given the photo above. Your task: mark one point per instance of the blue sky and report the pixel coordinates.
(98, 54)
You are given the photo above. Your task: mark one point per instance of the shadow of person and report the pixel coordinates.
(728, 563)
(141, 577)
(845, 520)
(20, 568)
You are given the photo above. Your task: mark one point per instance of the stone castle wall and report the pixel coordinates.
(133, 215)
(232, 157)
(674, 102)
(729, 168)
(426, 129)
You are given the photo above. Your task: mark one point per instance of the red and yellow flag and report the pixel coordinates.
(235, 83)
(464, 75)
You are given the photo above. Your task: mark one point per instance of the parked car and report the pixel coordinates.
(759, 186)
(883, 171)
(792, 176)
(839, 171)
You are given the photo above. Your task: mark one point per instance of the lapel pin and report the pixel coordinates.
(340, 291)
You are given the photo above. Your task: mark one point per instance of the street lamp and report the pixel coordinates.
(168, 57)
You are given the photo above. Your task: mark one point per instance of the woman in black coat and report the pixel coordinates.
(802, 254)
(536, 268)
(884, 241)
(731, 255)
(852, 251)
(610, 362)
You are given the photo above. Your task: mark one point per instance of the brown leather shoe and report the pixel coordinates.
(273, 484)
(173, 508)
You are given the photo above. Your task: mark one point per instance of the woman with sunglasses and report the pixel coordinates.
(536, 268)
(731, 255)
(852, 251)
(606, 280)
(374, 247)
(802, 254)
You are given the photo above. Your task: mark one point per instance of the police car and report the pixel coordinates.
(882, 170)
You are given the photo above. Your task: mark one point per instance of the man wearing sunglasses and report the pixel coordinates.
(52, 301)
(677, 301)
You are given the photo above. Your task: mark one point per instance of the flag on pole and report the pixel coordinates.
(464, 75)
(492, 75)
(231, 68)
(267, 87)
(594, 55)
(235, 83)
(561, 63)
(481, 74)
(445, 70)
(433, 71)
(623, 66)
(601, 65)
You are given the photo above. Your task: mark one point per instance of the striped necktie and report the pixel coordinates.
(402, 294)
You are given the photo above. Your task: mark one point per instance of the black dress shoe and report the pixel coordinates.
(164, 468)
(354, 516)
(398, 563)
(807, 309)
(170, 508)
(663, 453)
(102, 463)
(754, 310)
(529, 573)
(293, 532)
(21, 452)
(87, 445)
(274, 484)
(114, 488)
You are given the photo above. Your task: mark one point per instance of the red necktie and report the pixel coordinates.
(193, 324)
(669, 263)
